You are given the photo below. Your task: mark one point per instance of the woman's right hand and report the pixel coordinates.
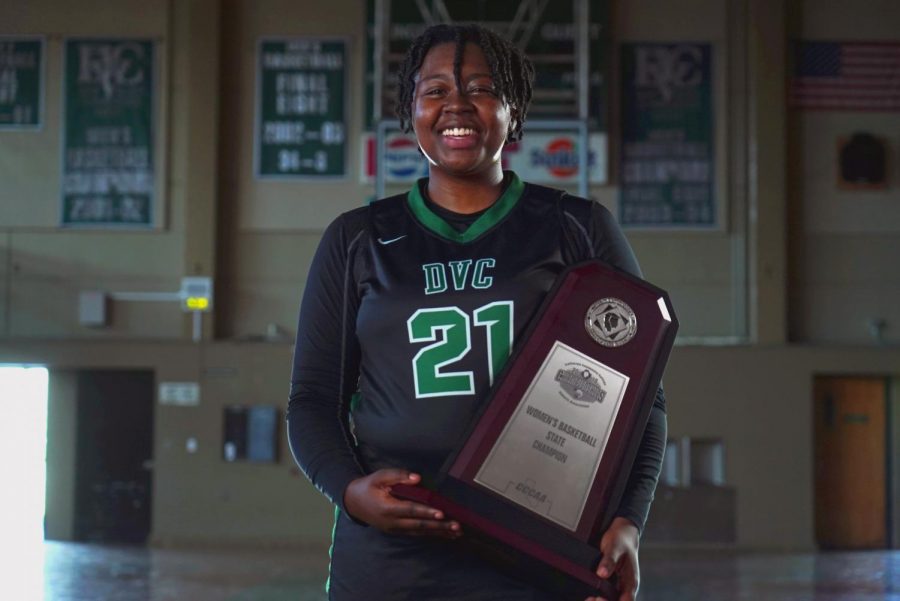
(369, 500)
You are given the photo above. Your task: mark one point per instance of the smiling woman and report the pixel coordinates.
(413, 305)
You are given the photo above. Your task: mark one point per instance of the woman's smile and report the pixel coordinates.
(459, 138)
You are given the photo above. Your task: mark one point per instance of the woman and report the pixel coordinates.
(412, 306)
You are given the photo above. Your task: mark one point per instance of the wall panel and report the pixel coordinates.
(845, 241)
(757, 400)
(50, 269)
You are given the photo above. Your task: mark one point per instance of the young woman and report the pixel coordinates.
(392, 356)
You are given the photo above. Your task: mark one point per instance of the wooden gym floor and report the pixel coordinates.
(56, 571)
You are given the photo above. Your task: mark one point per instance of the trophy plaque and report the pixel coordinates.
(539, 476)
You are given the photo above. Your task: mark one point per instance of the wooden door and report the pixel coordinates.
(851, 457)
(114, 456)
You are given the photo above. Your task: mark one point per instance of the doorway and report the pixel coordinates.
(23, 453)
(851, 462)
(114, 452)
(23, 471)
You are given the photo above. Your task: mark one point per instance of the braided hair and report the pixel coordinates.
(511, 71)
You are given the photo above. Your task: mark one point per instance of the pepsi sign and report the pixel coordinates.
(402, 160)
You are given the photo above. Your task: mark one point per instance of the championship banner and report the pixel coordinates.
(21, 82)
(109, 130)
(301, 112)
(667, 159)
(539, 157)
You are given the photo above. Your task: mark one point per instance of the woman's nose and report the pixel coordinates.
(458, 101)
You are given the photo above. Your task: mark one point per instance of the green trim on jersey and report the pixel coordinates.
(488, 219)
(337, 514)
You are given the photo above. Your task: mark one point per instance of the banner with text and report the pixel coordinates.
(21, 82)
(666, 171)
(108, 128)
(301, 119)
(540, 157)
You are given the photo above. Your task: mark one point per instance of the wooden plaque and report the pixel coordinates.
(540, 474)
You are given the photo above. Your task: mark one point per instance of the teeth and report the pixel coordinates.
(459, 131)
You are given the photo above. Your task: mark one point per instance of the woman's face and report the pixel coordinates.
(461, 132)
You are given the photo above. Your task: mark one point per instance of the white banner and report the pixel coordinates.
(552, 158)
(540, 157)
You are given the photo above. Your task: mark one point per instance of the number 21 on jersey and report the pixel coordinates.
(449, 329)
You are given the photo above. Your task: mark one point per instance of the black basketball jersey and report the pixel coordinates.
(412, 320)
(439, 313)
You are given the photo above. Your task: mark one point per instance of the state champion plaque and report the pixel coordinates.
(549, 451)
(540, 474)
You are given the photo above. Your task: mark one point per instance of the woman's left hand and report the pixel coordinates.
(619, 546)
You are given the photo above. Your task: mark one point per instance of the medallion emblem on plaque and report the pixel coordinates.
(610, 322)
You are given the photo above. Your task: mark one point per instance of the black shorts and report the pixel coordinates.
(368, 564)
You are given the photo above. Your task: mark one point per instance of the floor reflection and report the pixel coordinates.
(77, 572)
(732, 576)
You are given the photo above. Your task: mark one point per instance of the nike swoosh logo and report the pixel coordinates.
(391, 241)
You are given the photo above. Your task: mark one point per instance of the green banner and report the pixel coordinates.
(21, 82)
(108, 170)
(667, 162)
(301, 119)
(545, 31)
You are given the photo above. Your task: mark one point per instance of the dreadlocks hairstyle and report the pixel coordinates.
(511, 71)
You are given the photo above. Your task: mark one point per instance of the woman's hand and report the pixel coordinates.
(369, 500)
(619, 546)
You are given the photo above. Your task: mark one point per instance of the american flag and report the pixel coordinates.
(846, 76)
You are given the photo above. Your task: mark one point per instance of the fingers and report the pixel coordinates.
(613, 548)
(629, 585)
(414, 527)
(627, 571)
(389, 476)
(410, 517)
(608, 564)
(411, 509)
(620, 558)
(370, 499)
(415, 518)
